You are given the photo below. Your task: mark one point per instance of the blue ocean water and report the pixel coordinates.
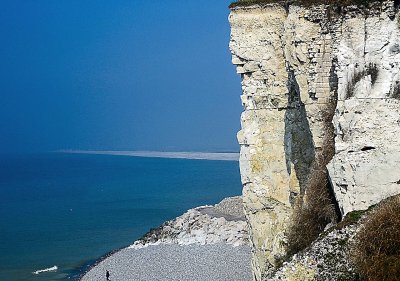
(70, 209)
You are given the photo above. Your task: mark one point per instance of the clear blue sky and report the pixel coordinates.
(117, 75)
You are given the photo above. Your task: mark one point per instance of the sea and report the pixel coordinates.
(64, 211)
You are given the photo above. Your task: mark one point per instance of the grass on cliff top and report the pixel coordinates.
(376, 252)
(244, 3)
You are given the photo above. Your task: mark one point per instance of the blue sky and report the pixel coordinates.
(117, 75)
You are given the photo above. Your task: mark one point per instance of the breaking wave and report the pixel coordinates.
(49, 269)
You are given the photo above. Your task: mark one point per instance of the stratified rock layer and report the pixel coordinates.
(297, 65)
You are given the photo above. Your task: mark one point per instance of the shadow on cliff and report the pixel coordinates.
(298, 140)
(313, 202)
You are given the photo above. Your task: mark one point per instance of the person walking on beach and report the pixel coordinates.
(108, 275)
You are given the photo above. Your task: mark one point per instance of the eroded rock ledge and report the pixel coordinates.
(318, 82)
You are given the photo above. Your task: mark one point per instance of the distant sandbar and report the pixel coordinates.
(224, 156)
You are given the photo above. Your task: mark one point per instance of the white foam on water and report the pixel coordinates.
(49, 269)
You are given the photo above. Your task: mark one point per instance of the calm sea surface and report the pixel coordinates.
(69, 209)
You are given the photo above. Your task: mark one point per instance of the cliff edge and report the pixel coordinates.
(320, 130)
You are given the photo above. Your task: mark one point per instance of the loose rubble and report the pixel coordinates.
(203, 225)
(326, 259)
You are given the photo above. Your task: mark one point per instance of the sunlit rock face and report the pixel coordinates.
(367, 121)
(307, 73)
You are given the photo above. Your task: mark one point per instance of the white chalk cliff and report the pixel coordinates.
(320, 84)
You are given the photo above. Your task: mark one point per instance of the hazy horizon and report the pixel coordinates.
(120, 75)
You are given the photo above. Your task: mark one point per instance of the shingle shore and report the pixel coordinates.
(176, 263)
(205, 243)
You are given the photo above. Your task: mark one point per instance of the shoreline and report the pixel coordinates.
(218, 226)
(84, 269)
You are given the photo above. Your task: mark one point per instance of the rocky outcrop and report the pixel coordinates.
(301, 69)
(221, 223)
(282, 126)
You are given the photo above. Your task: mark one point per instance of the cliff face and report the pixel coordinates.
(319, 84)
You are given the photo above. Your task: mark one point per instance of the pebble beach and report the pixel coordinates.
(205, 243)
(176, 263)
